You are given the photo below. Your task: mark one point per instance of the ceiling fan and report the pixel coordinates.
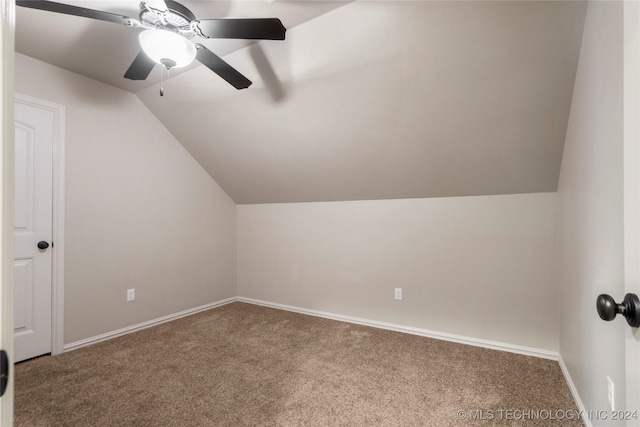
(169, 28)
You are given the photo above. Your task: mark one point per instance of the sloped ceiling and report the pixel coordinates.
(367, 100)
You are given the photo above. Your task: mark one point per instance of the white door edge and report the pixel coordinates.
(632, 196)
(7, 33)
(57, 274)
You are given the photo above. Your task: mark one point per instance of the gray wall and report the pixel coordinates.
(590, 223)
(140, 211)
(482, 267)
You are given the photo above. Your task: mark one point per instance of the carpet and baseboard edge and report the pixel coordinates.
(494, 345)
(133, 328)
(574, 392)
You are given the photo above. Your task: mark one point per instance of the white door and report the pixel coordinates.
(34, 136)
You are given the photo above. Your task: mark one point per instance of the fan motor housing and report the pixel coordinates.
(178, 18)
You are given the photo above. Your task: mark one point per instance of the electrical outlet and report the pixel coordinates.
(131, 294)
(399, 293)
(610, 394)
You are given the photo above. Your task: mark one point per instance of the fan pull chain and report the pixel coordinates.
(163, 67)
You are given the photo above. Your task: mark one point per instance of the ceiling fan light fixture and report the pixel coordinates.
(167, 48)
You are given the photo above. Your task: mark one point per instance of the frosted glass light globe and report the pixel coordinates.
(167, 48)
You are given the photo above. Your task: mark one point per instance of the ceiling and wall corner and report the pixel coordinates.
(372, 100)
(450, 99)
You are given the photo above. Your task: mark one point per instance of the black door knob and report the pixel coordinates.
(4, 371)
(43, 245)
(630, 308)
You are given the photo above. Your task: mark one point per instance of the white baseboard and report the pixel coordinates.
(494, 345)
(144, 325)
(574, 392)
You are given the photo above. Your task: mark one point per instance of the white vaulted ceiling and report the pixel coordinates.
(363, 100)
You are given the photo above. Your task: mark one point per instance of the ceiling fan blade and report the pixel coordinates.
(260, 28)
(51, 6)
(140, 68)
(221, 68)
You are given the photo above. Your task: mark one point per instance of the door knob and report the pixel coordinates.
(630, 308)
(4, 371)
(43, 245)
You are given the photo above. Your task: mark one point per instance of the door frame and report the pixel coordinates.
(57, 237)
(632, 194)
(7, 34)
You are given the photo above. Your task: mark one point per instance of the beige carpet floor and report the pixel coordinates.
(246, 365)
